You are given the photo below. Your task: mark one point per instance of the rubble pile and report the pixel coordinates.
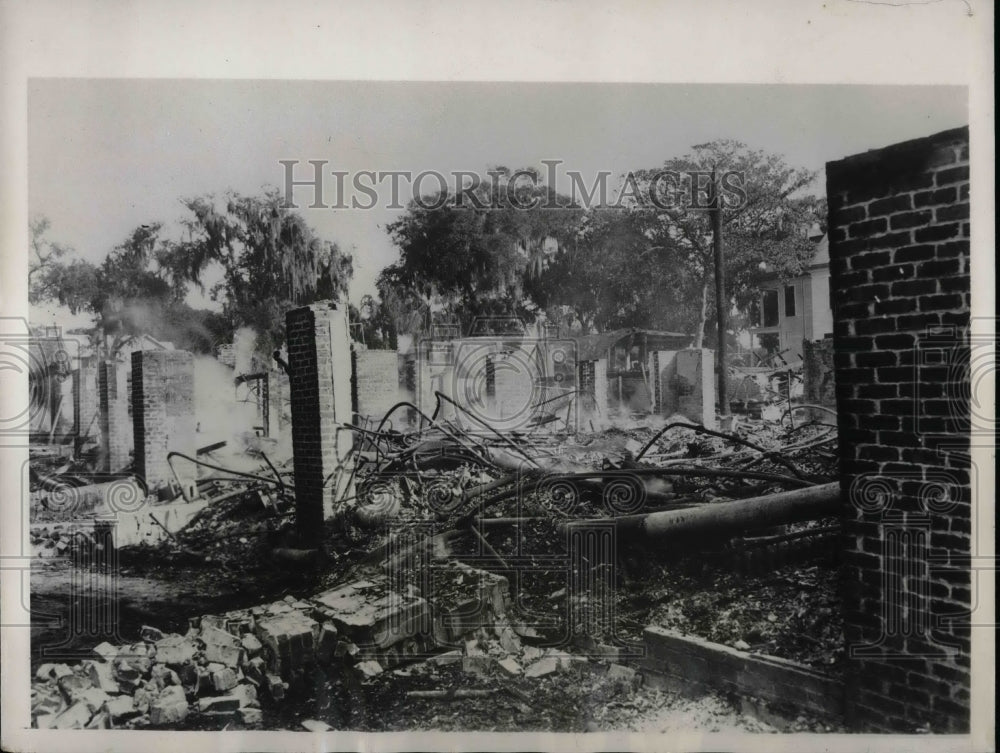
(225, 665)
(75, 539)
(446, 574)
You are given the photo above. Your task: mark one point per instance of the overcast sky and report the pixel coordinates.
(108, 155)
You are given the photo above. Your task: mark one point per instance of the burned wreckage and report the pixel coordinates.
(503, 532)
(475, 549)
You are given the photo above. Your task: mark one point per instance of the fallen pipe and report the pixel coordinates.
(729, 517)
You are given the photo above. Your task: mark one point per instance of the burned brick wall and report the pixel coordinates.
(818, 373)
(899, 248)
(86, 401)
(116, 431)
(378, 382)
(320, 387)
(162, 410)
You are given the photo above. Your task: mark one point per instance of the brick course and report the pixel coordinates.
(900, 276)
(319, 358)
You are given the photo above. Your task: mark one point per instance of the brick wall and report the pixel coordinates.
(684, 383)
(378, 382)
(115, 427)
(162, 410)
(899, 248)
(319, 348)
(86, 410)
(818, 375)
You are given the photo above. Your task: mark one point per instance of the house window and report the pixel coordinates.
(769, 308)
(789, 300)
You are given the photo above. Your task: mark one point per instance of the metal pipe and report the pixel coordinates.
(729, 517)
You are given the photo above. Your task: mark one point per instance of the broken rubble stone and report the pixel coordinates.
(476, 665)
(94, 698)
(510, 666)
(188, 675)
(314, 725)
(228, 655)
(48, 700)
(61, 670)
(256, 669)
(370, 615)
(100, 720)
(449, 657)
(44, 672)
(531, 653)
(143, 698)
(369, 668)
(566, 660)
(346, 648)
(170, 707)
(174, 651)
(620, 672)
(102, 677)
(544, 666)
(290, 638)
(251, 716)
(46, 721)
(326, 642)
(163, 676)
(126, 674)
(121, 708)
(251, 645)
(214, 636)
(509, 640)
(75, 717)
(246, 694)
(150, 634)
(218, 703)
(73, 686)
(275, 687)
(223, 679)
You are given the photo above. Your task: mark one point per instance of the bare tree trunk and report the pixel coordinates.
(699, 337)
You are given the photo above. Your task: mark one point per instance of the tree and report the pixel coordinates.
(616, 274)
(271, 261)
(372, 324)
(769, 227)
(52, 272)
(471, 254)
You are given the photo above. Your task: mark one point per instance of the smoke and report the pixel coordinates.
(225, 411)
(244, 343)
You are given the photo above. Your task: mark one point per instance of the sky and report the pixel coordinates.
(108, 155)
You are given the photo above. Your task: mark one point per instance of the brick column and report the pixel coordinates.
(319, 356)
(162, 410)
(899, 259)
(86, 401)
(115, 427)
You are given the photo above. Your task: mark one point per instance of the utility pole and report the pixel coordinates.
(720, 294)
